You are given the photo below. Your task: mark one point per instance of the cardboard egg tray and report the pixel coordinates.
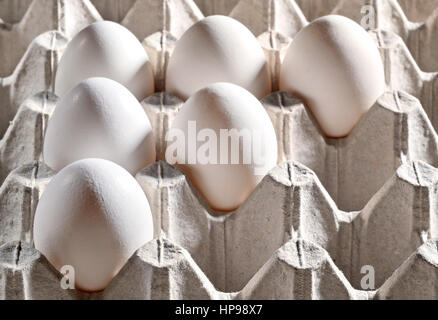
(331, 208)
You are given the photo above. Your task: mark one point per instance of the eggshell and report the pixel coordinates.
(217, 49)
(99, 118)
(106, 49)
(93, 216)
(225, 106)
(336, 68)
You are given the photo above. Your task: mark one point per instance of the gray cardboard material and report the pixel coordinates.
(23, 142)
(230, 250)
(65, 16)
(162, 270)
(35, 73)
(19, 196)
(173, 16)
(327, 210)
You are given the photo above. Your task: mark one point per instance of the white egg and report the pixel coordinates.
(217, 49)
(335, 67)
(99, 118)
(92, 216)
(206, 153)
(106, 49)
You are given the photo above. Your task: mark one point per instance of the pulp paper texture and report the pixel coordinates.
(331, 206)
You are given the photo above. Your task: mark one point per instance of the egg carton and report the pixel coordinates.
(359, 210)
(66, 16)
(282, 260)
(414, 10)
(31, 49)
(222, 254)
(389, 16)
(175, 16)
(35, 73)
(40, 42)
(113, 10)
(162, 270)
(414, 20)
(298, 269)
(166, 20)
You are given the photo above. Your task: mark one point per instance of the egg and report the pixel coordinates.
(105, 49)
(99, 118)
(224, 142)
(217, 49)
(92, 216)
(335, 67)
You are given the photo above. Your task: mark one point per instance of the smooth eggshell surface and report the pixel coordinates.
(99, 118)
(106, 49)
(225, 106)
(93, 216)
(217, 49)
(336, 68)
